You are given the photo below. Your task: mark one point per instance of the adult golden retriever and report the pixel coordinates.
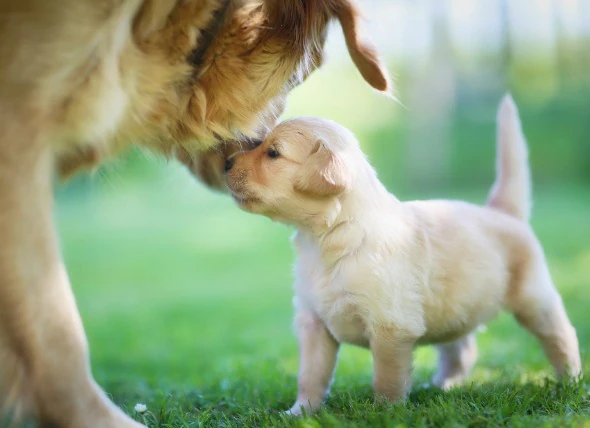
(82, 79)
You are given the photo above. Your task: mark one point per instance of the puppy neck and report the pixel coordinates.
(353, 214)
(321, 218)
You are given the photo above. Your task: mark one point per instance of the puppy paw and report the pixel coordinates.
(301, 408)
(446, 384)
(572, 376)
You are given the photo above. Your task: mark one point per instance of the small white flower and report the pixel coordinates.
(482, 328)
(140, 408)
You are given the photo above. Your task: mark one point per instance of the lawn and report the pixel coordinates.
(187, 305)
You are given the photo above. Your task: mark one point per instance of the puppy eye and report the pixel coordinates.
(272, 153)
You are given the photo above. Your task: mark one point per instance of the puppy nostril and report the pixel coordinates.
(228, 164)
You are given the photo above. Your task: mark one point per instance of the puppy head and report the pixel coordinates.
(298, 171)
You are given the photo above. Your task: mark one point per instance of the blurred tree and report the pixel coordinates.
(431, 98)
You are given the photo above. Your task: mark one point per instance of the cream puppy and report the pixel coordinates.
(389, 275)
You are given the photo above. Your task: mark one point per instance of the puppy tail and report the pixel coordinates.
(511, 191)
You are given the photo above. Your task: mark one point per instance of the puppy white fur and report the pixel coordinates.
(390, 275)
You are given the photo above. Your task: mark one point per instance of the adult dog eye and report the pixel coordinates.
(254, 142)
(272, 153)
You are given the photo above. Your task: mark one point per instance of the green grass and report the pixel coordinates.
(187, 305)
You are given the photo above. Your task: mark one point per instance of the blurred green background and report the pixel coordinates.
(182, 293)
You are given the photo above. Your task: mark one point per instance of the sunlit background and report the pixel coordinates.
(179, 289)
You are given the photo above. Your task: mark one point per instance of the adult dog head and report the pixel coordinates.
(208, 71)
(248, 73)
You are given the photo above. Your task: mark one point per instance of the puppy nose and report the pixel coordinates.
(228, 164)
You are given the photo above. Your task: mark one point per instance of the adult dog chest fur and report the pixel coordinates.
(389, 275)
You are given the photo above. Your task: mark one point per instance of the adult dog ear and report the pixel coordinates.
(323, 173)
(363, 53)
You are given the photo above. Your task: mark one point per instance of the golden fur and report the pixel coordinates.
(81, 80)
(390, 275)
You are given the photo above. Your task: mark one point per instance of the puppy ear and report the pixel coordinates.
(323, 173)
(363, 53)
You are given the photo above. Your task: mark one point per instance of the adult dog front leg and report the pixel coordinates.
(42, 340)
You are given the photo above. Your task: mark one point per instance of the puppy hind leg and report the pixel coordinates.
(455, 361)
(552, 328)
(538, 307)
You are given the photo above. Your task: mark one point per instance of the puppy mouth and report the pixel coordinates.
(241, 197)
(244, 201)
(240, 194)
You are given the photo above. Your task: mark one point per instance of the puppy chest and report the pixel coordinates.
(330, 295)
(342, 316)
(349, 328)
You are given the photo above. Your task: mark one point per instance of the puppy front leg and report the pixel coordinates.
(392, 364)
(317, 358)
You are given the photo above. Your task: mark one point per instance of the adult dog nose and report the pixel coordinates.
(228, 164)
